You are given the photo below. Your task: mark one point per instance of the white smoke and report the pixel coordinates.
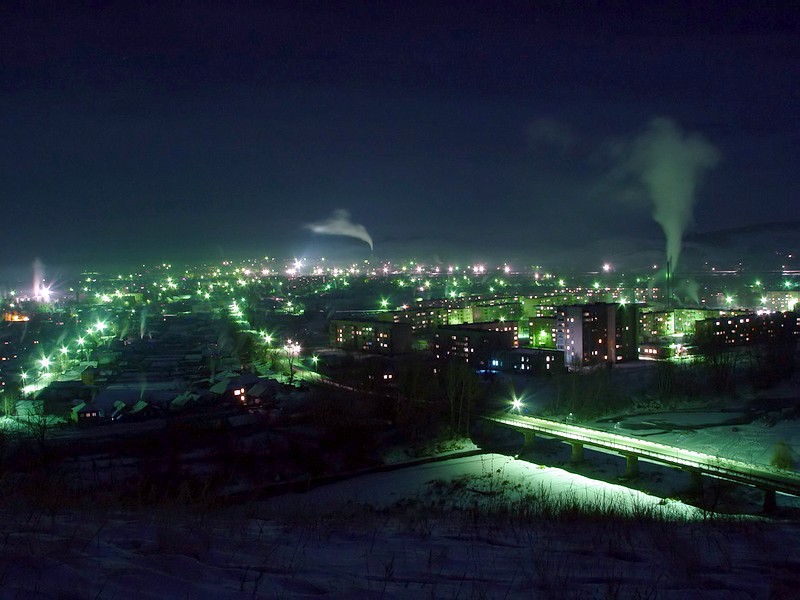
(39, 290)
(339, 223)
(669, 163)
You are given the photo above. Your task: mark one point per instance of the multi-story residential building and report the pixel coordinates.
(542, 332)
(781, 301)
(592, 334)
(751, 328)
(427, 315)
(530, 361)
(659, 324)
(476, 343)
(371, 335)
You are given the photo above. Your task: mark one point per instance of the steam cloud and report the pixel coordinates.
(339, 223)
(669, 163)
(38, 277)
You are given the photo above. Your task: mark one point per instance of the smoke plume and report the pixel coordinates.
(38, 278)
(669, 163)
(339, 223)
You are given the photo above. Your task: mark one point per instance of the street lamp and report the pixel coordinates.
(292, 350)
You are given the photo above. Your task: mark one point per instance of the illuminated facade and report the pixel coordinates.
(427, 315)
(15, 317)
(593, 334)
(543, 332)
(656, 325)
(781, 301)
(741, 330)
(374, 336)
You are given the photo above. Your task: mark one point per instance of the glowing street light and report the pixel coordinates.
(292, 350)
(516, 404)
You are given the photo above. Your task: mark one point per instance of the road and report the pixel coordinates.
(761, 476)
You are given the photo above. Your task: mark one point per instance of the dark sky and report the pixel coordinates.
(210, 130)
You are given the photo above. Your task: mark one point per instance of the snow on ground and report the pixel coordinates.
(712, 432)
(455, 529)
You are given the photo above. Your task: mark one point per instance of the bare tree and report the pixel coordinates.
(462, 388)
(37, 425)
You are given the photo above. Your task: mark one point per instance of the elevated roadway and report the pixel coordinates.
(769, 479)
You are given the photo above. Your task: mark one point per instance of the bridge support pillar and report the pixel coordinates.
(577, 452)
(770, 503)
(530, 440)
(695, 481)
(631, 466)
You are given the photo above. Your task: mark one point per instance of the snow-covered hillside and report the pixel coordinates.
(480, 527)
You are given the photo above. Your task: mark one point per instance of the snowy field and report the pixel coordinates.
(712, 432)
(479, 527)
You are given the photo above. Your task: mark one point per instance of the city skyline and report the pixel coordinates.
(143, 134)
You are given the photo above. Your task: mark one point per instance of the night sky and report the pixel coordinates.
(221, 130)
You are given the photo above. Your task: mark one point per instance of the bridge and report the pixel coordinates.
(766, 478)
